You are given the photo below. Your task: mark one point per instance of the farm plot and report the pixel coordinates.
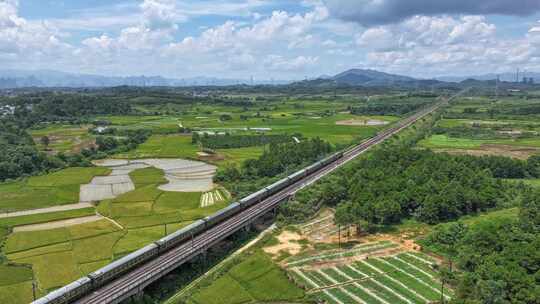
(213, 197)
(58, 188)
(62, 239)
(357, 251)
(63, 138)
(164, 146)
(403, 278)
(323, 229)
(181, 176)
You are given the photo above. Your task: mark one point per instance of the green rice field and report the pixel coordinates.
(59, 256)
(48, 190)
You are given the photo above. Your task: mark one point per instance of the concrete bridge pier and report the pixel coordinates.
(136, 297)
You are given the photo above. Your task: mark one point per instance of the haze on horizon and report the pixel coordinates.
(281, 39)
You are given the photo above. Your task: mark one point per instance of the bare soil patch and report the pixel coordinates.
(522, 153)
(362, 122)
(288, 242)
(83, 144)
(211, 157)
(110, 162)
(58, 224)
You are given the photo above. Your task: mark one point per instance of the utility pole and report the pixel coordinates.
(33, 286)
(442, 290)
(339, 236)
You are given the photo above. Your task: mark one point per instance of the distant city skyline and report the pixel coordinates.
(282, 40)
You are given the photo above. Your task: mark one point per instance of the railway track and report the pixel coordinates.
(135, 280)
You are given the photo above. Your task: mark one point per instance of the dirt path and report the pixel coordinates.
(112, 221)
(58, 224)
(47, 210)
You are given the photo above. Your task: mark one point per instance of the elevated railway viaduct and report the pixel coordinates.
(132, 282)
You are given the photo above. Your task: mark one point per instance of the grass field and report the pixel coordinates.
(511, 213)
(180, 146)
(487, 127)
(256, 279)
(48, 190)
(451, 123)
(164, 146)
(445, 142)
(147, 176)
(284, 118)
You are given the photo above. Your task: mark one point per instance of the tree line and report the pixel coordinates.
(277, 160)
(228, 141)
(387, 108)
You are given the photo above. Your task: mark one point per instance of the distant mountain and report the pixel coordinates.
(369, 77)
(509, 77)
(48, 78)
(359, 77)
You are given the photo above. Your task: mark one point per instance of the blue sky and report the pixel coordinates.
(281, 39)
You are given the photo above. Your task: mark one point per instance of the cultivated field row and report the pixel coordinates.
(212, 197)
(405, 278)
(356, 251)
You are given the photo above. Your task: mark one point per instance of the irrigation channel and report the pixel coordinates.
(134, 281)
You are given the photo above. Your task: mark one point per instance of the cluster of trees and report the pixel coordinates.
(505, 167)
(124, 141)
(18, 153)
(72, 108)
(377, 108)
(279, 158)
(24, 160)
(276, 161)
(468, 132)
(228, 141)
(530, 109)
(399, 182)
(497, 257)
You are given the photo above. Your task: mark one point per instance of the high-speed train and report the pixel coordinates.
(111, 271)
